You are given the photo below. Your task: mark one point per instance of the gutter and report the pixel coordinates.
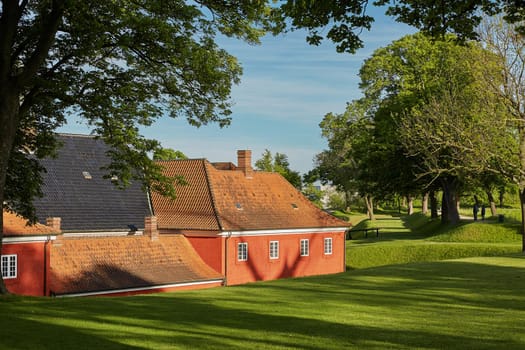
(226, 258)
(138, 289)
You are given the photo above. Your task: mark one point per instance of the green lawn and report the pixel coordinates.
(418, 239)
(475, 303)
(397, 299)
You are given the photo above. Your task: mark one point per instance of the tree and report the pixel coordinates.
(508, 44)
(448, 123)
(168, 154)
(279, 164)
(345, 164)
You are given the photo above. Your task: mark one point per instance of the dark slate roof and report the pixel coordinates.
(88, 204)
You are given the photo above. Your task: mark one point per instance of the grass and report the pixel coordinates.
(474, 303)
(416, 238)
(403, 295)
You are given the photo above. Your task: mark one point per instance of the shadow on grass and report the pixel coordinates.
(400, 307)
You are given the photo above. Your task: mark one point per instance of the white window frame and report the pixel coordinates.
(242, 251)
(274, 250)
(328, 246)
(9, 266)
(305, 247)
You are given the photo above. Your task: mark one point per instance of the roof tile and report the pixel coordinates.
(15, 225)
(100, 264)
(218, 199)
(83, 203)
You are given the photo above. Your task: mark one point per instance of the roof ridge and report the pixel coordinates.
(212, 196)
(180, 160)
(76, 135)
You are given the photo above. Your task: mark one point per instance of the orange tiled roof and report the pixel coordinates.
(193, 207)
(15, 225)
(228, 200)
(81, 265)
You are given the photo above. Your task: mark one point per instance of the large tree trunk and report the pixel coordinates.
(424, 204)
(410, 205)
(348, 199)
(450, 201)
(522, 228)
(9, 106)
(492, 203)
(521, 185)
(433, 205)
(369, 201)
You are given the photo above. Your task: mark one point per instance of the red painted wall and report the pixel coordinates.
(30, 274)
(211, 251)
(259, 266)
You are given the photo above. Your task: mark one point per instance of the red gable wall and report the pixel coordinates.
(31, 268)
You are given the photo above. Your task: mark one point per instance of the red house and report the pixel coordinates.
(25, 255)
(228, 225)
(249, 225)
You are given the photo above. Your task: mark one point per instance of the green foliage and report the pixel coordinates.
(279, 163)
(117, 65)
(343, 22)
(168, 154)
(313, 193)
(337, 201)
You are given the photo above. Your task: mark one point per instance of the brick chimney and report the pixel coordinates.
(244, 162)
(150, 228)
(54, 223)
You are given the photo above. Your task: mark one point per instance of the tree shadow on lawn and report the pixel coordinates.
(398, 303)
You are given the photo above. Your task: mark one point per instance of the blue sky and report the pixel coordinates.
(286, 88)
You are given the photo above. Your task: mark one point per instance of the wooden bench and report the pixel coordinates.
(365, 230)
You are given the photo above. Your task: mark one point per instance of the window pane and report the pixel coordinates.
(274, 249)
(8, 267)
(304, 247)
(242, 251)
(328, 246)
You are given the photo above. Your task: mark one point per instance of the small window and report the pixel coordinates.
(274, 249)
(328, 246)
(9, 266)
(294, 206)
(242, 251)
(305, 247)
(238, 206)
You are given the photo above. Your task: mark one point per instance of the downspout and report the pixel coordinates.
(46, 243)
(344, 252)
(226, 258)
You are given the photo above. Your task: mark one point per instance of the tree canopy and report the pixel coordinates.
(425, 119)
(278, 163)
